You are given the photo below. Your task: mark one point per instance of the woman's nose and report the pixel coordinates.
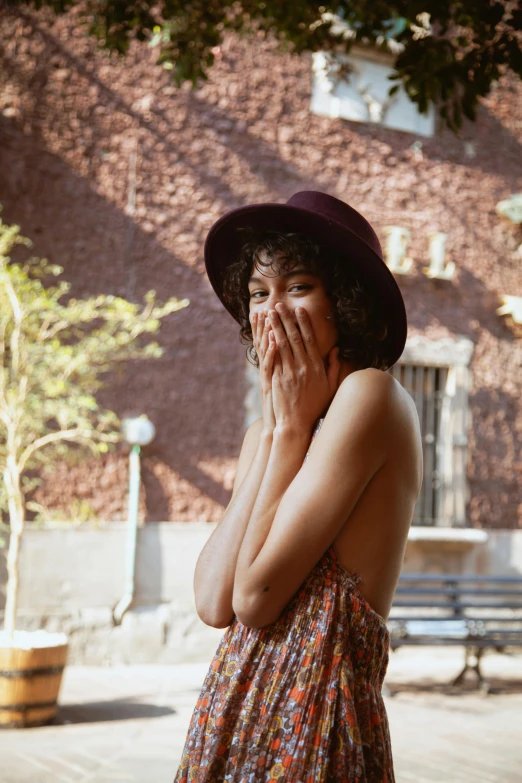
(271, 301)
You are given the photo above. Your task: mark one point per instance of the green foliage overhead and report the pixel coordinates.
(451, 52)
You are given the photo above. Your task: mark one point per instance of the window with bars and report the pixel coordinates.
(436, 375)
(426, 385)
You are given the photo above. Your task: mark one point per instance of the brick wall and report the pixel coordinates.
(70, 117)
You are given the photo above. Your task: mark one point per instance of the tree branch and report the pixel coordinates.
(53, 437)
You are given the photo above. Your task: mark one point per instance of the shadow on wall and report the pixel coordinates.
(182, 392)
(174, 132)
(494, 442)
(196, 406)
(498, 147)
(65, 178)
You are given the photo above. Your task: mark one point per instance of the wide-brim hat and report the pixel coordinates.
(330, 222)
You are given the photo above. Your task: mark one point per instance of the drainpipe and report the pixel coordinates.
(126, 600)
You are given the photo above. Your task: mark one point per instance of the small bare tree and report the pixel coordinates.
(52, 356)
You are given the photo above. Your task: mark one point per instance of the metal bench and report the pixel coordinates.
(475, 612)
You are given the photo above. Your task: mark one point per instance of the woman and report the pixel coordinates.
(303, 566)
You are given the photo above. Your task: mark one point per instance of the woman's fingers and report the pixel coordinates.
(261, 328)
(268, 359)
(257, 324)
(264, 334)
(253, 324)
(289, 343)
(307, 332)
(292, 332)
(277, 364)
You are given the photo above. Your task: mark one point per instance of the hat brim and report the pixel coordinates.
(224, 241)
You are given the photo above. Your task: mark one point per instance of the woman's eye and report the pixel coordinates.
(257, 294)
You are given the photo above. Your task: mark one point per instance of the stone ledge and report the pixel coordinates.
(445, 351)
(452, 535)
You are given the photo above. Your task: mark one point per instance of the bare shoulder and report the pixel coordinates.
(370, 391)
(369, 378)
(391, 415)
(373, 407)
(376, 387)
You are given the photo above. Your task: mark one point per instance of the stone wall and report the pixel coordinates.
(71, 581)
(71, 118)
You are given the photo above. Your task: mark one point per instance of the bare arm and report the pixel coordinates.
(301, 507)
(216, 565)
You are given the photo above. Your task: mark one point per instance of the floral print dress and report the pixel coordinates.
(299, 700)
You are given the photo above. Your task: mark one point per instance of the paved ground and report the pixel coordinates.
(128, 724)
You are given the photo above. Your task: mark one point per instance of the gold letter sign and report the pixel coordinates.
(396, 249)
(437, 267)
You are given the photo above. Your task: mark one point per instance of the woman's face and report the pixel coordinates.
(296, 288)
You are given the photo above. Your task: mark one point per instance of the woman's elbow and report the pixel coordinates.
(252, 616)
(214, 620)
(216, 623)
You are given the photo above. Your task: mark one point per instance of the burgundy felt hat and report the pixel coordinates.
(330, 222)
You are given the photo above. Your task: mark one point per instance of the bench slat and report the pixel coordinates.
(479, 641)
(434, 618)
(460, 578)
(409, 626)
(460, 604)
(456, 590)
(436, 628)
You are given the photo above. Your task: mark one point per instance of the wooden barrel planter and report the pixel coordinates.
(30, 679)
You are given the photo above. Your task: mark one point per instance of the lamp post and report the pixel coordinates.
(138, 431)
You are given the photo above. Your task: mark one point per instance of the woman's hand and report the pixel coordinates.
(302, 387)
(265, 350)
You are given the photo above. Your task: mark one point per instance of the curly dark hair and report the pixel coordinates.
(355, 311)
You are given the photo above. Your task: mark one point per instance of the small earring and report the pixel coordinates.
(327, 316)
